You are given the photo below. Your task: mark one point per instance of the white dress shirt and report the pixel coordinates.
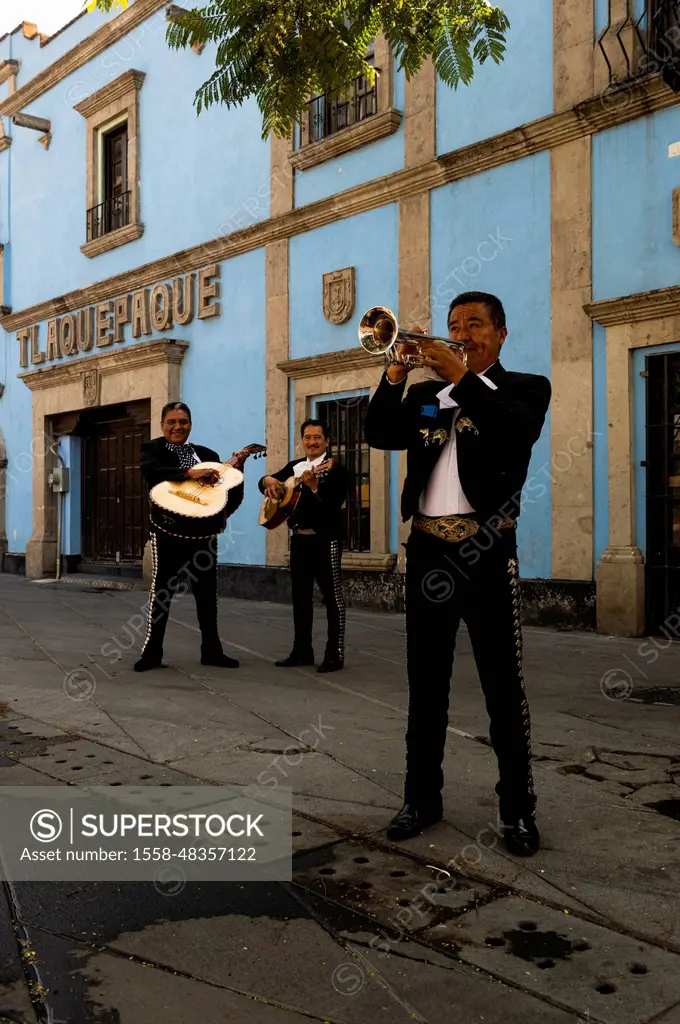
(302, 467)
(444, 494)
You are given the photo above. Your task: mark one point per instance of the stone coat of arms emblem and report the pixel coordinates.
(338, 295)
(90, 387)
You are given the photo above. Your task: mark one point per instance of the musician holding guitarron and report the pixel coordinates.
(192, 495)
(308, 495)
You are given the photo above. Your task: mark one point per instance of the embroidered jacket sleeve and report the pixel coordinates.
(157, 465)
(282, 475)
(514, 414)
(391, 419)
(330, 492)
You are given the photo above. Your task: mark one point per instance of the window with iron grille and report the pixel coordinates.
(345, 418)
(114, 210)
(331, 112)
(646, 43)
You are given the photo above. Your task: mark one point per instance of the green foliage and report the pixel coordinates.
(284, 51)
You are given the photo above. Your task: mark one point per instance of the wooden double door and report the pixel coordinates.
(115, 516)
(663, 490)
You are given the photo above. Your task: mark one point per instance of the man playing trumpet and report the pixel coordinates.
(469, 443)
(314, 545)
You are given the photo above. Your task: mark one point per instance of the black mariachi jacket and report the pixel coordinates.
(158, 463)
(318, 510)
(493, 452)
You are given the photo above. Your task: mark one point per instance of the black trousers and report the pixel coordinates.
(314, 558)
(179, 566)
(447, 582)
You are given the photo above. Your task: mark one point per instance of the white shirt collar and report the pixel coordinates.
(444, 396)
(300, 467)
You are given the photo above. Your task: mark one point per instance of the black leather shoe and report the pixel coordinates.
(521, 838)
(295, 660)
(411, 820)
(219, 660)
(147, 664)
(330, 665)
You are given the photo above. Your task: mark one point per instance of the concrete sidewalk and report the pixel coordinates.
(588, 930)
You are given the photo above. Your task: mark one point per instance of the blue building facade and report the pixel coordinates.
(150, 255)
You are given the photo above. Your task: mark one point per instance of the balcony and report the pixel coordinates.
(112, 214)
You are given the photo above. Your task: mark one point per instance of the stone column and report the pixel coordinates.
(570, 289)
(276, 333)
(414, 232)
(620, 572)
(41, 547)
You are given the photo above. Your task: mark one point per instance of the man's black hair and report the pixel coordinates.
(314, 423)
(175, 405)
(492, 303)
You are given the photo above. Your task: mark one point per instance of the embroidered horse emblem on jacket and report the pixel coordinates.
(439, 436)
(465, 424)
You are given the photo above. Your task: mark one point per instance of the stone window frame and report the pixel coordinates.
(379, 125)
(313, 378)
(634, 322)
(115, 102)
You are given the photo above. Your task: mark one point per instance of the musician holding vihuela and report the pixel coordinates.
(308, 494)
(192, 495)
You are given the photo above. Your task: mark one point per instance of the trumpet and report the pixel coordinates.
(379, 334)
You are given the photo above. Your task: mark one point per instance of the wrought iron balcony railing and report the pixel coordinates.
(645, 41)
(113, 213)
(331, 112)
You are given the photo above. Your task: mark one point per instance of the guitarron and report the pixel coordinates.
(194, 510)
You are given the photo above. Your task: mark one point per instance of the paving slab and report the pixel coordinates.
(82, 761)
(573, 962)
(458, 996)
(263, 955)
(133, 993)
(672, 1017)
(386, 886)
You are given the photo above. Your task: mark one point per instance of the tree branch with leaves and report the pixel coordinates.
(282, 52)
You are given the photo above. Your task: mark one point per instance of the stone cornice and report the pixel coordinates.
(629, 309)
(81, 54)
(330, 362)
(378, 126)
(146, 353)
(125, 83)
(7, 69)
(642, 97)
